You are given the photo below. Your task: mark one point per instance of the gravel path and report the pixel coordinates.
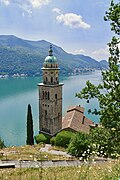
(48, 147)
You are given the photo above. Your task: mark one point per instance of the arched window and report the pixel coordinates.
(56, 96)
(57, 80)
(43, 95)
(48, 95)
(45, 112)
(46, 79)
(51, 79)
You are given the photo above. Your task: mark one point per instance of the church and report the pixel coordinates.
(50, 103)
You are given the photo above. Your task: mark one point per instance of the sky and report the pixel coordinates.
(75, 25)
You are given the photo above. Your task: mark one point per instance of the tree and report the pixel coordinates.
(113, 15)
(30, 139)
(108, 93)
(2, 145)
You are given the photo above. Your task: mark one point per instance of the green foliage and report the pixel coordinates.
(48, 137)
(80, 145)
(100, 138)
(108, 93)
(42, 138)
(63, 138)
(113, 15)
(2, 145)
(30, 139)
(105, 142)
(52, 141)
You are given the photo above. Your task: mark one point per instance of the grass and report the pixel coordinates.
(30, 153)
(102, 171)
(109, 170)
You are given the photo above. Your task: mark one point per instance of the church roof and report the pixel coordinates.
(75, 120)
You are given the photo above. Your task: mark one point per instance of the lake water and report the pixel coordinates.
(17, 93)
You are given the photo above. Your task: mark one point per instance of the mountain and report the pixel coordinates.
(26, 57)
(104, 64)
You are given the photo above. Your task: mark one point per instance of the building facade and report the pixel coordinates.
(50, 97)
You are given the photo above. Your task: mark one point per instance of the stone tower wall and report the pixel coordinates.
(50, 108)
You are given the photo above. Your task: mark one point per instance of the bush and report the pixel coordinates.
(2, 145)
(105, 142)
(80, 145)
(63, 138)
(42, 138)
(52, 141)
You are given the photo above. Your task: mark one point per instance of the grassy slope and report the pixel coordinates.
(29, 153)
(104, 171)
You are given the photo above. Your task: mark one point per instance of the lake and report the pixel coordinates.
(17, 93)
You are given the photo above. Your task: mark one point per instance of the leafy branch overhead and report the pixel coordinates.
(113, 15)
(108, 93)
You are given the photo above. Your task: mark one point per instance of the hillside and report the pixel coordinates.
(26, 57)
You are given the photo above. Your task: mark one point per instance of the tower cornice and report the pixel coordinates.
(50, 85)
(43, 68)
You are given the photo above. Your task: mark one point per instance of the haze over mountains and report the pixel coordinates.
(27, 57)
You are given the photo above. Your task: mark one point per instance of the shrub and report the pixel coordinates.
(44, 138)
(63, 138)
(105, 142)
(80, 145)
(52, 141)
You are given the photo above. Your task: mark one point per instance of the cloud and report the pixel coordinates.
(5, 2)
(100, 54)
(79, 51)
(70, 19)
(26, 5)
(57, 10)
(38, 3)
(27, 9)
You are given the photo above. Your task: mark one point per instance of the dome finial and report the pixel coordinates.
(50, 50)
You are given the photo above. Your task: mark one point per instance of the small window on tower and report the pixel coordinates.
(45, 112)
(51, 79)
(56, 96)
(48, 95)
(46, 79)
(43, 95)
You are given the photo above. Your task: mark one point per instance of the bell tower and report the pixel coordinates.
(50, 97)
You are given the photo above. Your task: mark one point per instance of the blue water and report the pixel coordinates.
(17, 93)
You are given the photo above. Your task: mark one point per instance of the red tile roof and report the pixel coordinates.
(75, 120)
